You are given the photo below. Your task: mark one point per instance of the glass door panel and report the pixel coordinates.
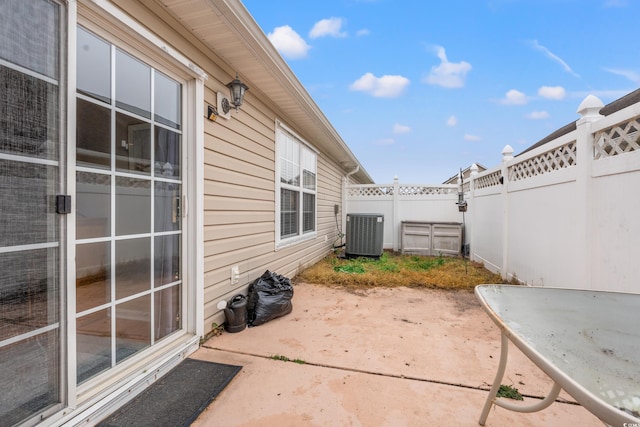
(133, 85)
(167, 311)
(93, 205)
(93, 275)
(133, 266)
(94, 66)
(93, 344)
(93, 135)
(30, 237)
(133, 326)
(129, 192)
(168, 153)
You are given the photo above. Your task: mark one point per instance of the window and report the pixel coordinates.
(297, 165)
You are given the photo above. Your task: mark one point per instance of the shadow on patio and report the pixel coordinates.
(384, 357)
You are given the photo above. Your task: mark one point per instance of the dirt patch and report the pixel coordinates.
(463, 300)
(394, 270)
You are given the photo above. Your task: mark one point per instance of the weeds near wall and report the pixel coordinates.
(395, 270)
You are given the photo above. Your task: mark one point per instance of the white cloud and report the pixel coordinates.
(363, 32)
(380, 87)
(469, 137)
(628, 74)
(552, 92)
(551, 55)
(385, 141)
(537, 115)
(330, 27)
(447, 74)
(452, 121)
(288, 42)
(398, 128)
(514, 97)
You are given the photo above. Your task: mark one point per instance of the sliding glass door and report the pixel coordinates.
(128, 212)
(126, 157)
(31, 231)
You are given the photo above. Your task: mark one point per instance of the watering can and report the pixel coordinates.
(236, 314)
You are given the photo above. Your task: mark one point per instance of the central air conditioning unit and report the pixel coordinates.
(365, 234)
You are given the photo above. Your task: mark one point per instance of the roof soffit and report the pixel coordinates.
(228, 30)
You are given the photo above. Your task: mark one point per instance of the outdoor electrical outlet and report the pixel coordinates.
(235, 274)
(336, 209)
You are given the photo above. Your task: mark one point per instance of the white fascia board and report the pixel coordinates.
(150, 37)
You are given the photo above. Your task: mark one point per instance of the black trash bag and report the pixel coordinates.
(269, 297)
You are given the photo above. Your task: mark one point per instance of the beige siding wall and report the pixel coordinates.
(240, 206)
(239, 173)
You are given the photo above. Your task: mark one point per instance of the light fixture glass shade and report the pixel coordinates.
(237, 90)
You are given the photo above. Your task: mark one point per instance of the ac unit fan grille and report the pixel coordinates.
(365, 234)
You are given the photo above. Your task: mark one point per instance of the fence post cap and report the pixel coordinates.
(590, 106)
(507, 153)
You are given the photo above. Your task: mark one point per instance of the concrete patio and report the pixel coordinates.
(384, 357)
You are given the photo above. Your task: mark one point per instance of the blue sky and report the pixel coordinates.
(419, 89)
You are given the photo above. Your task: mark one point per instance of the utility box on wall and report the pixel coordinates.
(365, 233)
(431, 238)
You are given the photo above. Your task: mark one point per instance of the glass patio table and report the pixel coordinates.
(587, 342)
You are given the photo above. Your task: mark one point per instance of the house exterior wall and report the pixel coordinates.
(240, 223)
(239, 208)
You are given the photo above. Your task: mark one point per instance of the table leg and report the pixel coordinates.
(504, 349)
(491, 398)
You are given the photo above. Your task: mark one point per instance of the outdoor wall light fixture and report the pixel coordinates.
(237, 90)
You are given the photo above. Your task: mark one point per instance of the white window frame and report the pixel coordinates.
(301, 236)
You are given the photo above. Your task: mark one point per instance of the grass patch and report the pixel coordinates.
(279, 357)
(349, 269)
(509, 392)
(397, 270)
(286, 359)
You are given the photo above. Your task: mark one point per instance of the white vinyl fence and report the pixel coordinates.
(566, 214)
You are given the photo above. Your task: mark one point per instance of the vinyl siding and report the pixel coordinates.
(239, 179)
(240, 207)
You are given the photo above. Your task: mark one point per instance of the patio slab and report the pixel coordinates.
(384, 357)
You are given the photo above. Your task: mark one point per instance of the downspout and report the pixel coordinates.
(345, 183)
(351, 173)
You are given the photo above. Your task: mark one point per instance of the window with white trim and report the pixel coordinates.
(296, 186)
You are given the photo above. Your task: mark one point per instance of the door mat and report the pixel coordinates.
(177, 398)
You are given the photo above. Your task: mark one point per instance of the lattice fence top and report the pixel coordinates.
(370, 191)
(403, 190)
(419, 190)
(549, 161)
(619, 139)
(488, 180)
